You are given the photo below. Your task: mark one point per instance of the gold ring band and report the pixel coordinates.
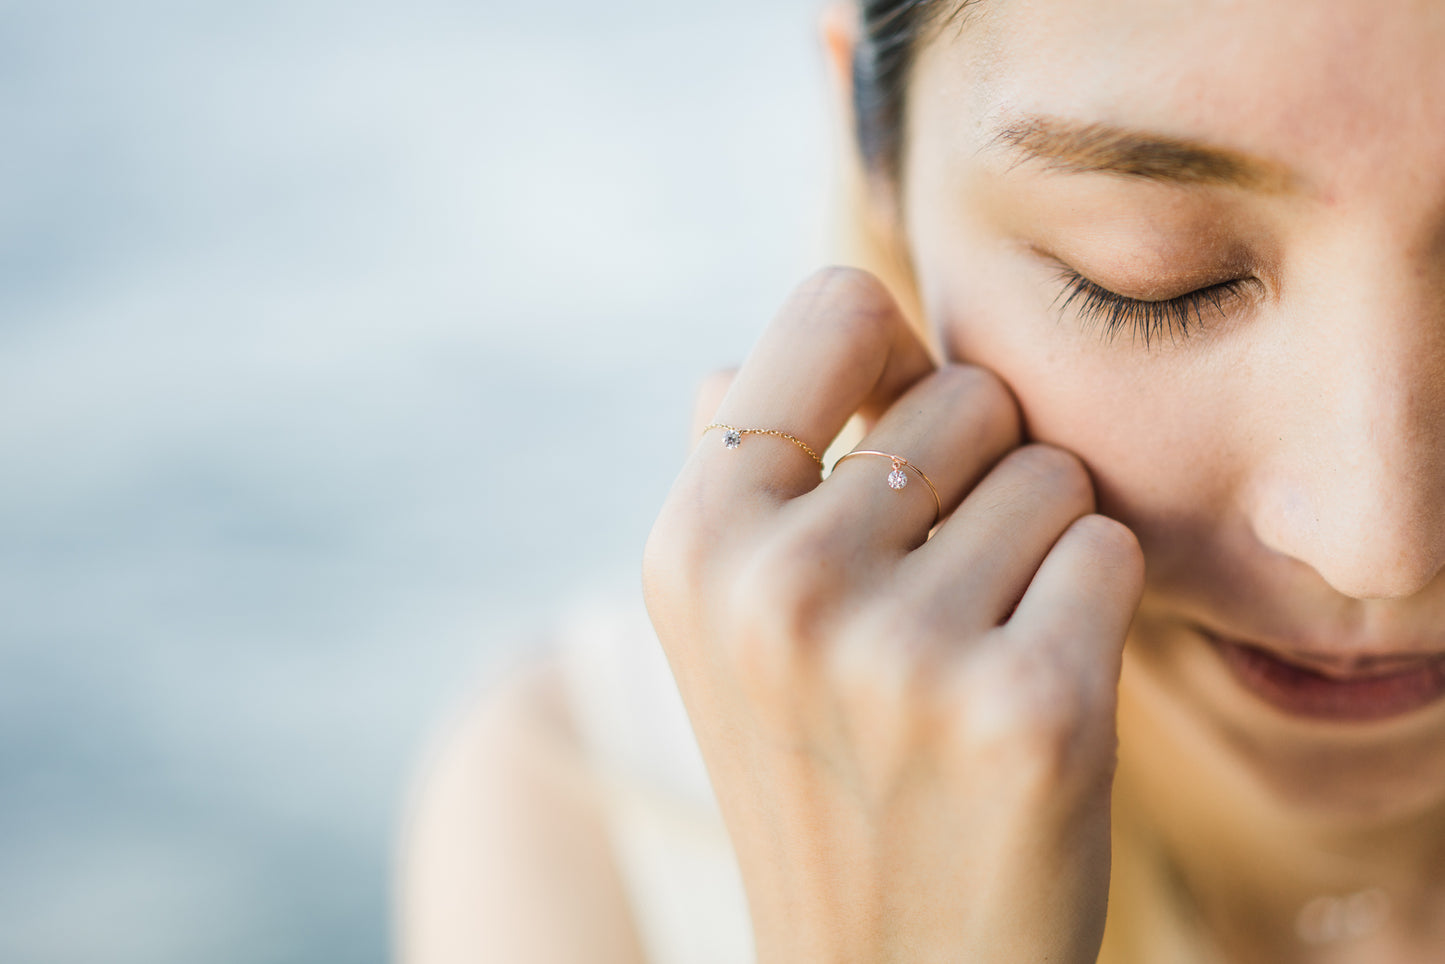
(898, 478)
(733, 437)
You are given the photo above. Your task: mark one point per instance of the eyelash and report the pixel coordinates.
(1150, 320)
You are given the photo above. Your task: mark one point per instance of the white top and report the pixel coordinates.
(673, 851)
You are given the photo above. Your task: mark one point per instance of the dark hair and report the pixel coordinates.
(892, 31)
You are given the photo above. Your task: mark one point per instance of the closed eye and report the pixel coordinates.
(1150, 321)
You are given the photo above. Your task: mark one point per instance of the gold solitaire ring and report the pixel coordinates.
(898, 478)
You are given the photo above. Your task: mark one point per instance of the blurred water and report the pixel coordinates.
(340, 345)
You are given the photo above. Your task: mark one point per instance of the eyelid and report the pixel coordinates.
(1114, 312)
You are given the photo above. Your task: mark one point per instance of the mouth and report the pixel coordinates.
(1327, 687)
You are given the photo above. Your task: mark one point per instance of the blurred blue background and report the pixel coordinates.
(342, 345)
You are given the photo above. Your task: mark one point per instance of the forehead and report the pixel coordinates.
(1343, 91)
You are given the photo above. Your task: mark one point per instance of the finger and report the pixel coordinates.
(982, 558)
(951, 426)
(838, 345)
(1083, 597)
(709, 395)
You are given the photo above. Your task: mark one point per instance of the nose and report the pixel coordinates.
(1351, 480)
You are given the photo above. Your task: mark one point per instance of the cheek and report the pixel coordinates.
(1149, 427)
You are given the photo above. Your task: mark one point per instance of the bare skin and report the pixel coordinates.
(1279, 463)
(507, 835)
(910, 765)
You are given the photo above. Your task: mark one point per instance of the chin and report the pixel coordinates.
(1192, 731)
(1340, 788)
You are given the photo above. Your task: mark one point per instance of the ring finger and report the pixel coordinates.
(950, 427)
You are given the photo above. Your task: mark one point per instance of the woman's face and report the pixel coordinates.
(1276, 440)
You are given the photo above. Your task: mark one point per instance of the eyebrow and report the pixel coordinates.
(1079, 148)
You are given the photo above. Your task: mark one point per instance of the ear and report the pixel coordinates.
(838, 24)
(865, 229)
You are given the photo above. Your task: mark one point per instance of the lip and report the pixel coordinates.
(1357, 689)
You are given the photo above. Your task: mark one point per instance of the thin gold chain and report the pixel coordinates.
(768, 431)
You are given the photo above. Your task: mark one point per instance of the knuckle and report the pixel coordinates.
(661, 551)
(778, 600)
(1028, 717)
(845, 281)
(986, 395)
(887, 663)
(678, 543)
(673, 559)
(863, 676)
(1110, 545)
(907, 631)
(1057, 471)
(841, 295)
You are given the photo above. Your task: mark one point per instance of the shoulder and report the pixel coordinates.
(506, 837)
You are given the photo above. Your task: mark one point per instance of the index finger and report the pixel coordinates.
(839, 345)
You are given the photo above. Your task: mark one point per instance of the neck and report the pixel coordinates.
(1258, 871)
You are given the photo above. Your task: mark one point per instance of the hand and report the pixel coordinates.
(912, 739)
